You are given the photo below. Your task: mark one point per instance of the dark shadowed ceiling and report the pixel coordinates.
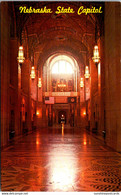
(47, 34)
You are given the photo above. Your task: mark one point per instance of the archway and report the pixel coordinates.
(61, 73)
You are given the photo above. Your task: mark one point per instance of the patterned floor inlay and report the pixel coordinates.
(51, 160)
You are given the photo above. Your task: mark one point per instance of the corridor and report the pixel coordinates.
(60, 160)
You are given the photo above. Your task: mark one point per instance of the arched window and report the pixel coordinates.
(61, 72)
(62, 67)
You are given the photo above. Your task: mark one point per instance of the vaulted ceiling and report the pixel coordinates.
(46, 34)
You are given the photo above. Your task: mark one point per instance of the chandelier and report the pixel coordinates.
(61, 85)
(32, 75)
(20, 57)
(87, 75)
(39, 83)
(81, 83)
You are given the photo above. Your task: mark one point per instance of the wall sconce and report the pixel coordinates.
(32, 75)
(21, 57)
(81, 83)
(96, 57)
(37, 113)
(84, 113)
(39, 83)
(87, 75)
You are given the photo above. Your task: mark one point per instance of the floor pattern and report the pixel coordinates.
(60, 160)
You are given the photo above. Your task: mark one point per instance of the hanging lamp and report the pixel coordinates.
(39, 83)
(21, 57)
(96, 57)
(81, 82)
(32, 75)
(87, 74)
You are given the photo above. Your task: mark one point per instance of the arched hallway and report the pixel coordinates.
(60, 68)
(60, 160)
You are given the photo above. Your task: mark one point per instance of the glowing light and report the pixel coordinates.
(37, 113)
(63, 169)
(96, 57)
(62, 177)
(55, 68)
(32, 75)
(63, 174)
(85, 140)
(84, 113)
(85, 143)
(37, 142)
(61, 85)
(39, 83)
(62, 129)
(69, 69)
(62, 67)
(21, 57)
(81, 83)
(87, 75)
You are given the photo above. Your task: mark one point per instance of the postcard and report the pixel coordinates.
(60, 97)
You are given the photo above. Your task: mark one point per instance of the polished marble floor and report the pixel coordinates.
(60, 160)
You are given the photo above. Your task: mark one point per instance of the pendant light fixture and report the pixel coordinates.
(32, 75)
(87, 74)
(81, 82)
(96, 57)
(21, 57)
(39, 83)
